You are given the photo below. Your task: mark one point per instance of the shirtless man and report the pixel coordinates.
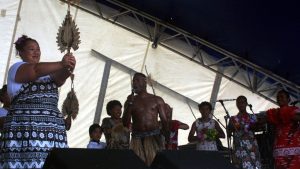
(144, 109)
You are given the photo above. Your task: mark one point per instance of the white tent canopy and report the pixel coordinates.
(107, 57)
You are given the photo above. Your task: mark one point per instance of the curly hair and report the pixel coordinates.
(2, 91)
(286, 93)
(242, 97)
(205, 103)
(93, 127)
(21, 42)
(111, 104)
(140, 74)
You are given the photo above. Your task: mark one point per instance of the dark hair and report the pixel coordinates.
(205, 104)
(287, 94)
(93, 127)
(111, 104)
(242, 97)
(2, 91)
(21, 42)
(140, 74)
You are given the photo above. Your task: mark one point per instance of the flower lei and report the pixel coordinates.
(209, 135)
(244, 122)
(281, 115)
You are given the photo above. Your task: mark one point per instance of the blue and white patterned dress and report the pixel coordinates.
(33, 126)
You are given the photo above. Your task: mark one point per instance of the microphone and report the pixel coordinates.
(225, 100)
(295, 102)
(130, 99)
(250, 105)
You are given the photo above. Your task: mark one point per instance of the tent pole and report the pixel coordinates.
(216, 88)
(12, 42)
(102, 92)
(127, 69)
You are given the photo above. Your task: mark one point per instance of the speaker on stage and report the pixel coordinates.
(190, 159)
(76, 158)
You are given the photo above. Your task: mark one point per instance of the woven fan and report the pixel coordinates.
(70, 106)
(68, 35)
(67, 38)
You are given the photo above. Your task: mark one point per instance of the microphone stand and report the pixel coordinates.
(218, 120)
(226, 128)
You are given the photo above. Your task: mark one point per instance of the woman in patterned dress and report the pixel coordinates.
(202, 126)
(286, 120)
(34, 125)
(246, 152)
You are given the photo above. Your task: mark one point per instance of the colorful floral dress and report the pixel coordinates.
(246, 152)
(287, 138)
(33, 126)
(205, 144)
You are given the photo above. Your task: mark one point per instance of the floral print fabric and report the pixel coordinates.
(245, 147)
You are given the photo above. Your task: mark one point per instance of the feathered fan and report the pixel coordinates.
(67, 38)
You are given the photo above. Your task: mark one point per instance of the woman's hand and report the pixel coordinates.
(69, 61)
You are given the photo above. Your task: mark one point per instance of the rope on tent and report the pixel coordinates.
(187, 102)
(150, 80)
(145, 57)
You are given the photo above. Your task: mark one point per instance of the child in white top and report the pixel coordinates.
(207, 129)
(95, 132)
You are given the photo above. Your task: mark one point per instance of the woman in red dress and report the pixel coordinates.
(287, 139)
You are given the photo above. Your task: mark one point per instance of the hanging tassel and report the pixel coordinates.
(70, 106)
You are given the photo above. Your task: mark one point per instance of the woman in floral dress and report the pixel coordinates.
(245, 147)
